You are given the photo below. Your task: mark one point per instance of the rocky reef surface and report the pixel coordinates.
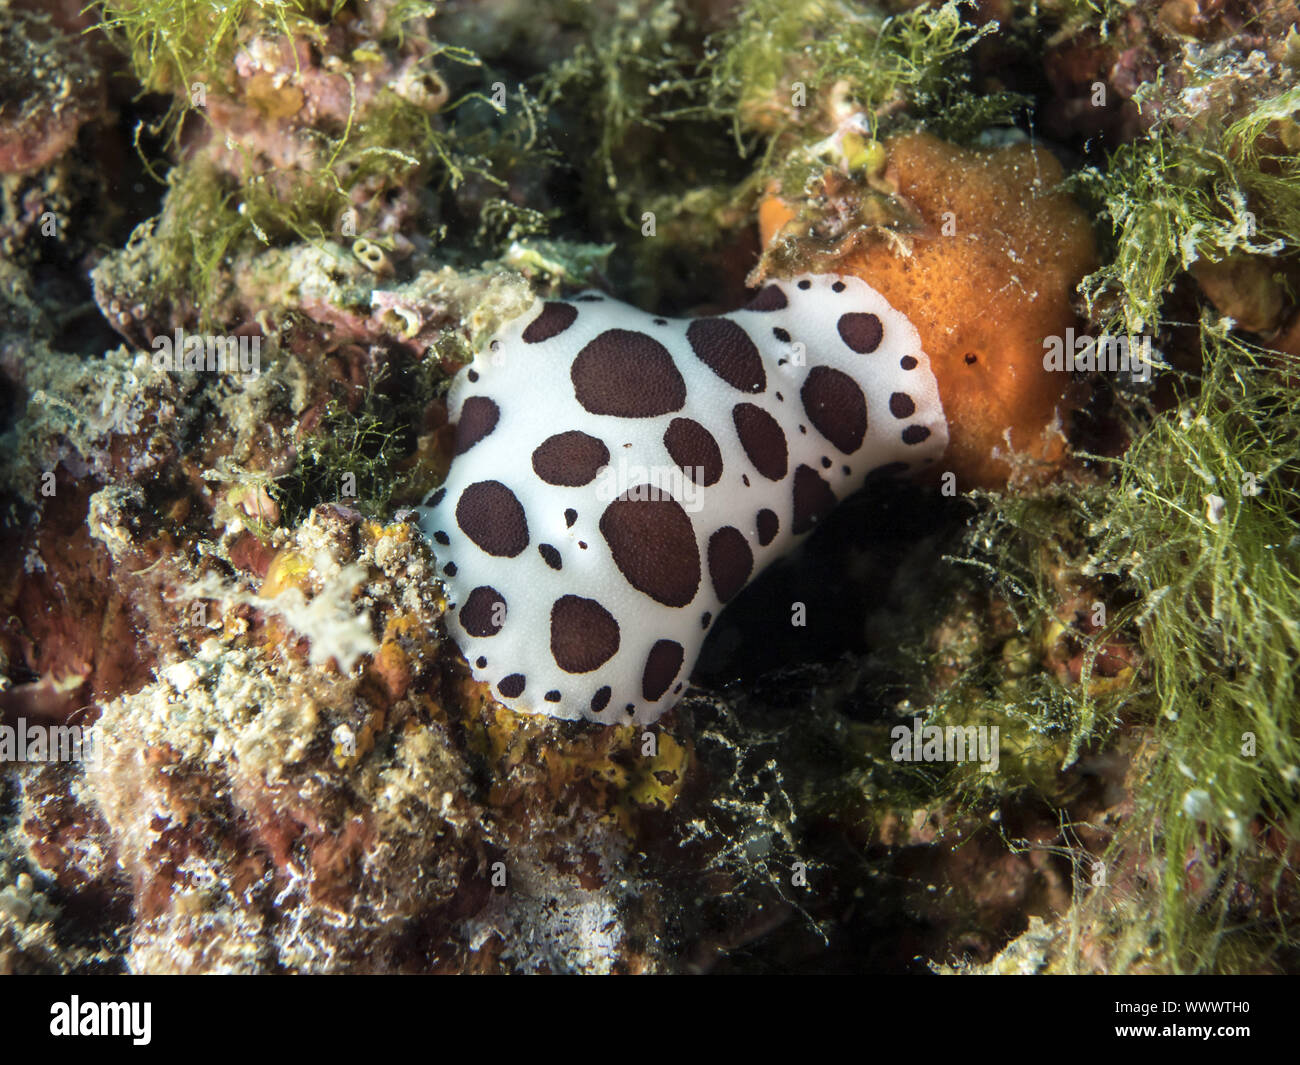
(244, 248)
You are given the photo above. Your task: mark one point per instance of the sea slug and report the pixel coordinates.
(619, 477)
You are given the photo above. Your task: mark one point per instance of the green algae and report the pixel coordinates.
(1189, 541)
(350, 457)
(1202, 529)
(1169, 201)
(634, 74)
(173, 43)
(780, 60)
(210, 213)
(1069, 18)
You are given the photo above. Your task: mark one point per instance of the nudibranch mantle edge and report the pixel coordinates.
(620, 476)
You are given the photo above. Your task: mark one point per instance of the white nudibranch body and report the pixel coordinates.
(620, 476)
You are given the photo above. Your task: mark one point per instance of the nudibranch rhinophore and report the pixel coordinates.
(619, 477)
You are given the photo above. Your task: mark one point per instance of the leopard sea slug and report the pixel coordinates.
(619, 477)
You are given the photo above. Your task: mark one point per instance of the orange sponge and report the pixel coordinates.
(986, 278)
